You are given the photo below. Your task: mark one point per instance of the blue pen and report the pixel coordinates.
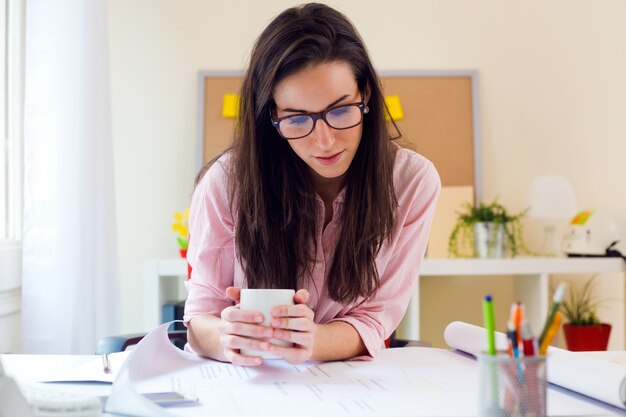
(513, 339)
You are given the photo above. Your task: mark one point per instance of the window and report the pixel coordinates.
(11, 103)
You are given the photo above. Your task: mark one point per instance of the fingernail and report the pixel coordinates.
(258, 318)
(258, 361)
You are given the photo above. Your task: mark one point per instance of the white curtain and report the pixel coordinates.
(70, 272)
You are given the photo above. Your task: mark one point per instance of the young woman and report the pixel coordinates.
(313, 195)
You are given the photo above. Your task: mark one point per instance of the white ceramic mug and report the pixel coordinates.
(263, 300)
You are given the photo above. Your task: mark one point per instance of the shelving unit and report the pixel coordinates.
(531, 277)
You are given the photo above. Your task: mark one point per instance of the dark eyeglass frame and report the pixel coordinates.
(320, 116)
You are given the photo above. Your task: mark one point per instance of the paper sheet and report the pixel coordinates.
(230, 106)
(91, 371)
(153, 356)
(600, 379)
(395, 108)
(399, 382)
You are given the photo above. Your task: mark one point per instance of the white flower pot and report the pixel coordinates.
(489, 240)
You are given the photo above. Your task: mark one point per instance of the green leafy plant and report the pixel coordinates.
(462, 235)
(579, 306)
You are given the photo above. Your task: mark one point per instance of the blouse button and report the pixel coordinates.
(318, 265)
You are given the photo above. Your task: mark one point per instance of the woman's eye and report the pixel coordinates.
(339, 111)
(298, 120)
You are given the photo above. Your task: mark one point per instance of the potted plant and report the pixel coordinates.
(486, 231)
(584, 332)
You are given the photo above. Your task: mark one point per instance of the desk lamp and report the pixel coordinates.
(551, 200)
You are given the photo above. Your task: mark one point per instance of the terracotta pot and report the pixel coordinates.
(586, 338)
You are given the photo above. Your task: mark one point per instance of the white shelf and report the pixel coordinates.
(519, 266)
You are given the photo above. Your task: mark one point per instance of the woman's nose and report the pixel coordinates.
(323, 135)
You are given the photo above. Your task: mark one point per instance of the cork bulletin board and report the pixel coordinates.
(440, 119)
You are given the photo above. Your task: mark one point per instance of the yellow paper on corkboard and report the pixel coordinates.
(230, 106)
(395, 108)
(451, 200)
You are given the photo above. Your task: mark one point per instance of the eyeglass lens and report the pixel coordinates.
(300, 125)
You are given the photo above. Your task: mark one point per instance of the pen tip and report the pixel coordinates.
(559, 294)
(488, 297)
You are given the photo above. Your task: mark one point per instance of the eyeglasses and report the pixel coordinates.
(300, 125)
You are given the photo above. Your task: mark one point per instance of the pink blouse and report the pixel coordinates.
(212, 251)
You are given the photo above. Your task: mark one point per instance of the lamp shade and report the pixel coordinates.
(551, 197)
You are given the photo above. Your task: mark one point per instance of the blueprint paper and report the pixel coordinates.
(404, 382)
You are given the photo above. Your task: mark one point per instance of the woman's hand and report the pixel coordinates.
(294, 324)
(239, 329)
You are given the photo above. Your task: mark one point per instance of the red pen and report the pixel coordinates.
(529, 344)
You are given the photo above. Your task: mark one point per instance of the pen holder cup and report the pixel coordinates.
(512, 386)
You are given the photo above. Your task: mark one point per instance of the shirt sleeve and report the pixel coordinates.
(377, 318)
(211, 251)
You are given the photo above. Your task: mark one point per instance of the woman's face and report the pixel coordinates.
(328, 152)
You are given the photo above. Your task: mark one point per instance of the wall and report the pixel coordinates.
(552, 96)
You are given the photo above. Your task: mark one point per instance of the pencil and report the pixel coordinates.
(559, 295)
(554, 327)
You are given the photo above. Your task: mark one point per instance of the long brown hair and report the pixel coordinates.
(272, 194)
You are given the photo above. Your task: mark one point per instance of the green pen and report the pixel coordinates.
(490, 324)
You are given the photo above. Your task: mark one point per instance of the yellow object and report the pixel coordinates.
(181, 228)
(395, 108)
(554, 327)
(230, 106)
(581, 217)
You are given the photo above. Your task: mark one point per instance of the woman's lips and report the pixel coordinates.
(329, 160)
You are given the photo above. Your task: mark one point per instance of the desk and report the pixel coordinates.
(27, 368)
(163, 281)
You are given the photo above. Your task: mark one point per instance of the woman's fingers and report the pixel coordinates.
(242, 330)
(304, 339)
(235, 314)
(294, 324)
(245, 329)
(237, 358)
(302, 324)
(230, 341)
(298, 310)
(234, 293)
(301, 297)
